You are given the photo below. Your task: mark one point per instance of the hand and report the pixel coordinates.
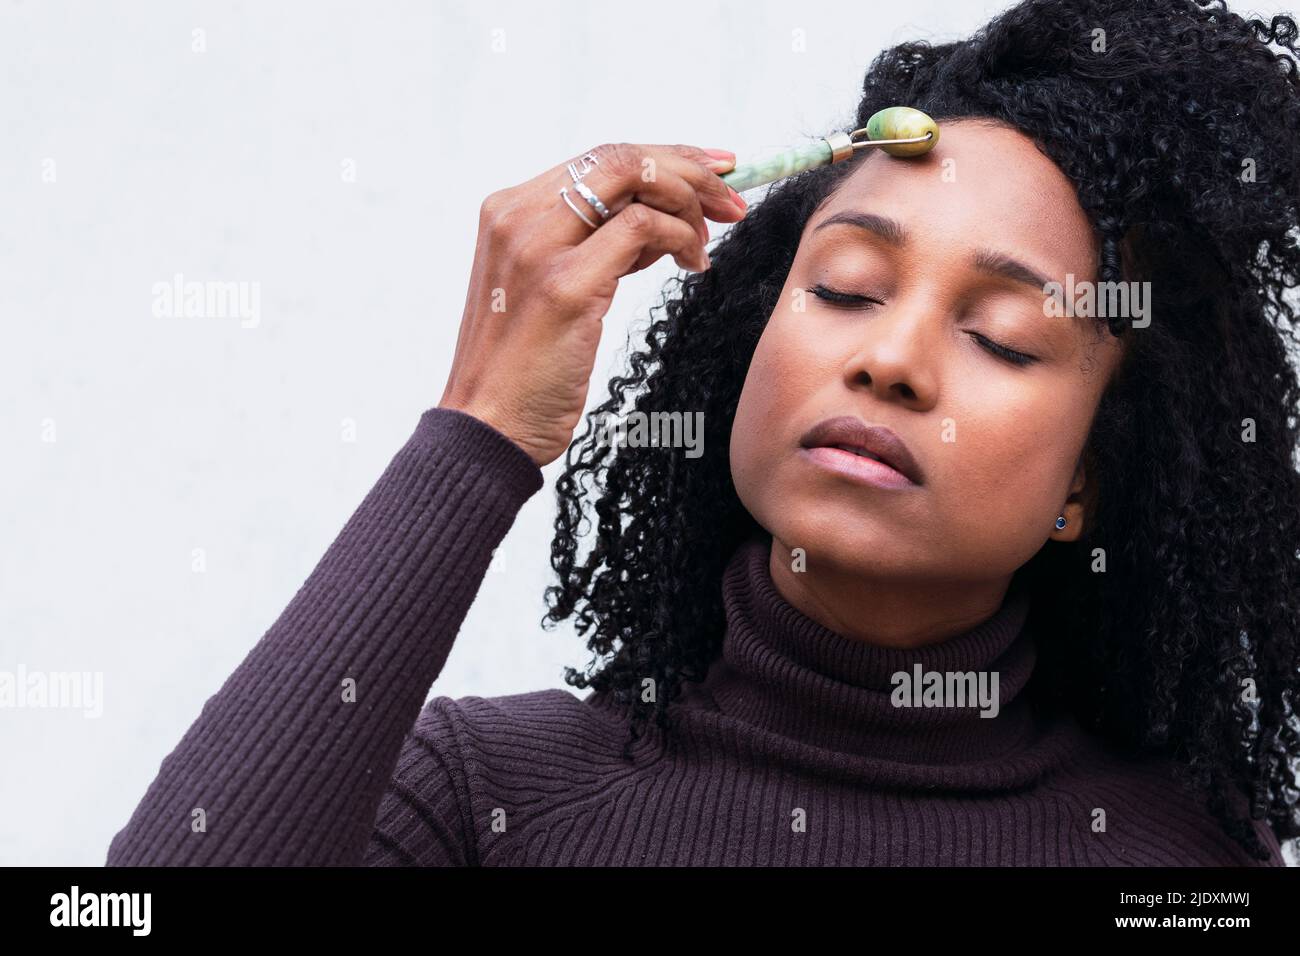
(542, 281)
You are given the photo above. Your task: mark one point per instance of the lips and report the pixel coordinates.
(872, 441)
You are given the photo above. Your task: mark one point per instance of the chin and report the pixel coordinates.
(829, 540)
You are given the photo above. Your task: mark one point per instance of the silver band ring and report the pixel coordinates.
(564, 194)
(588, 160)
(591, 197)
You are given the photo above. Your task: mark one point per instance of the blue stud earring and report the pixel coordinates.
(1060, 522)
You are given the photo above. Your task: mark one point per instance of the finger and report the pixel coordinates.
(672, 179)
(636, 236)
(698, 170)
(663, 187)
(704, 172)
(633, 173)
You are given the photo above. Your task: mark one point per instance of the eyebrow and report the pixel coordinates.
(892, 232)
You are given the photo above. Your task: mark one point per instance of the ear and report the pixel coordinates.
(1081, 503)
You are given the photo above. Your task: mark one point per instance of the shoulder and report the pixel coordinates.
(521, 720)
(528, 770)
(1139, 813)
(545, 739)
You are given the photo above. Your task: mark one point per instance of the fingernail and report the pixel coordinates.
(723, 159)
(735, 197)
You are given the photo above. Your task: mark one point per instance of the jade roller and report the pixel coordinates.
(898, 130)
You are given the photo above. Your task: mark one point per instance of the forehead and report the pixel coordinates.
(982, 185)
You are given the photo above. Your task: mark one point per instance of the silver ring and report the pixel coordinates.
(588, 160)
(591, 197)
(564, 194)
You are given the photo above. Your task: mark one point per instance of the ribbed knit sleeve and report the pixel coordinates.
(288, 762)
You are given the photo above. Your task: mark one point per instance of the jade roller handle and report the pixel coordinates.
(783, 164)
(898, 130)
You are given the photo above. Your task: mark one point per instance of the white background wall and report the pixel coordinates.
(173, 434)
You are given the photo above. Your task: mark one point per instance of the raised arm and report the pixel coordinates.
(288, 761)
(283, 765)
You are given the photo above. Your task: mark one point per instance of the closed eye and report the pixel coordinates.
(841, 298)
(1011, 355)
(994, 348)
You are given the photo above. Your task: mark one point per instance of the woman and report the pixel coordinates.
(1055, 623)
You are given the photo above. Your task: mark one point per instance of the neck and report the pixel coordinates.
(897, 613)
(786, 674)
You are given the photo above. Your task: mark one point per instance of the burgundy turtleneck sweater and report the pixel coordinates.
(789, 753)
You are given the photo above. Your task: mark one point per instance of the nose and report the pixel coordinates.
(897, 353)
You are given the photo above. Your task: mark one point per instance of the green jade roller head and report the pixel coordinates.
(898, 130)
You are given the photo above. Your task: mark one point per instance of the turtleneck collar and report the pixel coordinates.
(785, 674)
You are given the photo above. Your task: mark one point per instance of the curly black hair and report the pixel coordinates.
(1179, 126)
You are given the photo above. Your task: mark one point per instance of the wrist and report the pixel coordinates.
(489, 417)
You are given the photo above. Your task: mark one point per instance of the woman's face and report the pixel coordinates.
(953, 248)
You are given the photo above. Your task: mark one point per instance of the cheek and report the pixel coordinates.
(778, 376)
(1009, 469)
(748, 447)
